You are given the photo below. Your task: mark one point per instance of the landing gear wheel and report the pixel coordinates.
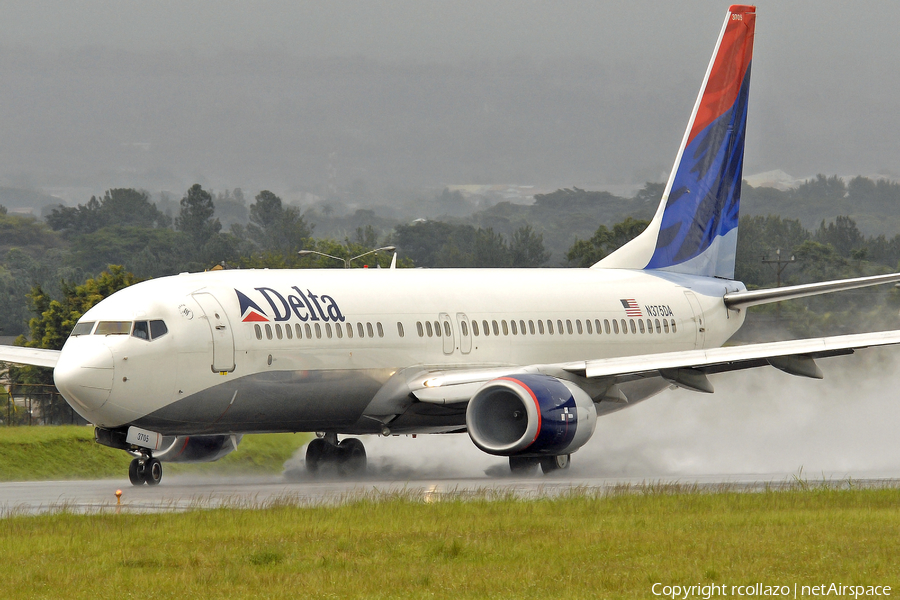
(153, 471)
(559, 462)
(316, 453)
(352, 457)
(523, 465)
(136, 472)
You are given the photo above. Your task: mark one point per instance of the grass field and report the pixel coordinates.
(576, 547)
(69, 452)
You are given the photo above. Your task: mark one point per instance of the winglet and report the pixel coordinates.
(694, 230)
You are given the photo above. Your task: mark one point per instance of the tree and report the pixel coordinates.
(196, 216)
(124, 207)
(276, 228)
(527, 248)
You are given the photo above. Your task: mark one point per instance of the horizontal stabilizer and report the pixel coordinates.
(754, 297)
(36, 357)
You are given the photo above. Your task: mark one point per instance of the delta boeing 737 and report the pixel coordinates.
(523, 360)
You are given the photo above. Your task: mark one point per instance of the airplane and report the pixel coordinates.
(523, 360)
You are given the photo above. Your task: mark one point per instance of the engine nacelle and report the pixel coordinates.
(197, 448)
(530, 415)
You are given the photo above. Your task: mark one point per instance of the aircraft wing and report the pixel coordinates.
(37, 357)
(686, 369)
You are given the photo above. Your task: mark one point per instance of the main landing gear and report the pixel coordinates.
(348, 457)
(145, 469)
(526, 465)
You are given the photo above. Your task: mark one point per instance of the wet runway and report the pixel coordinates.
(179, 493)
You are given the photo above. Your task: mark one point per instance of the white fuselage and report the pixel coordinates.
(309, 350)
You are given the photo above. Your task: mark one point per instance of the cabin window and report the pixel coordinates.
(513, 327)
(569, 326)
(658, 327)
(380, 329)
(318, 331)
(465, 328)
(419, 329)
(268, 331)
(673, 326)
(624, 326)
(474, 327)
(399, 328)
(258, 330)
(429, 329)
(437, 328)
(328, 330)
(615, 325)
(308, 328)
(505, 327)
(522, 326)
(606, 326)
(633, 329)
(549, 327)
(83, 328)
(141, 330)
(649, 326)
(299, 331)
(540, 327)
(338, 330)
(289, 332)
(597, 326)
(447, 331)
(641, 323)
(486, 328)
(588, 326)
(578, 326)
(349, 330)
(559, 326)
(278, 332)
(369, 330)
(530, 326)
(362, 332)
(666, 325)
(495, 327)
(113, 328)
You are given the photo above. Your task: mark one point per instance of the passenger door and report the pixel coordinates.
(220, 329)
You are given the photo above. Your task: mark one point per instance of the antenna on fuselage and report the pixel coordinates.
(394, 261)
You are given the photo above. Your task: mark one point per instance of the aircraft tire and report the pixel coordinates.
(560, 462)
(136, 472)
(352, 457)
(153, 471)
(523, 465)
(316, 452)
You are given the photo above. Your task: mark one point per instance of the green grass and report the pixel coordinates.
(574, 547)
(69, 452)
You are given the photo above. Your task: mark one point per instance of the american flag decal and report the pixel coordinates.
(631, 307)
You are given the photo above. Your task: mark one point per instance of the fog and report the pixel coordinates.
(318, 97)
(760, 422)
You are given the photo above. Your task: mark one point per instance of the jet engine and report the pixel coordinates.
(182, 448)
(197, 448)
(530, 415)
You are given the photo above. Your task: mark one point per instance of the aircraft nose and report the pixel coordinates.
(84, 374)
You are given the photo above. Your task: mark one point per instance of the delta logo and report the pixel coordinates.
(306, 306)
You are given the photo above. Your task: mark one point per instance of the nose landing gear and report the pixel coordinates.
(145, 470)
(348, 457)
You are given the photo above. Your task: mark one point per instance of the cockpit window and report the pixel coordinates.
(113, 328)
(83, 328)
(147, 330)
(141, 330)
(158, 329)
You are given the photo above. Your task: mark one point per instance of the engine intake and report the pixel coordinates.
(530, 415)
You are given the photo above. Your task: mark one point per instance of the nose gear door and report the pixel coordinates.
(220, 329)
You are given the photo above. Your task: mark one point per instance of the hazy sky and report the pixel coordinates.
(823, 97)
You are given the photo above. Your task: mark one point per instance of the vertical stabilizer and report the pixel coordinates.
(695, 227)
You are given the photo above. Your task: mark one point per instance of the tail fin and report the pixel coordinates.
(695, 227)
